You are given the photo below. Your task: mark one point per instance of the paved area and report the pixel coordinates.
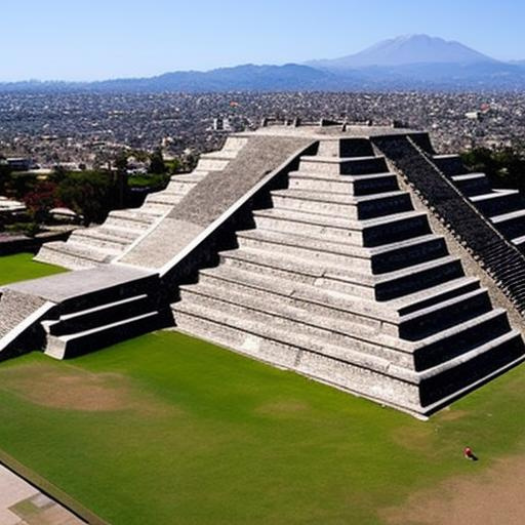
(23, 504)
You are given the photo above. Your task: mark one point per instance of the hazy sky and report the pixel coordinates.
(95, 39)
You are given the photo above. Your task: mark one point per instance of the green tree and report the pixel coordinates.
(505, 167)
(157, 165)
(88, 193)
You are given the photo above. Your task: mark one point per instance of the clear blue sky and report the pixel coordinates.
(96, 39)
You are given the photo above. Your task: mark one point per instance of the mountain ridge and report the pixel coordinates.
(407, 62)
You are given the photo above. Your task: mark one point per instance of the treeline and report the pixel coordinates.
(91, 194)
(505, 167)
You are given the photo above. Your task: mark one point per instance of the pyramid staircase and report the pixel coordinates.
(103, 244)
(504, 208)
(343, 281)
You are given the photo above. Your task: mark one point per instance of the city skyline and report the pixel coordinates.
(94, 41)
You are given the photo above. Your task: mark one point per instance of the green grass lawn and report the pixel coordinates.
(167, 429)
(21, 267)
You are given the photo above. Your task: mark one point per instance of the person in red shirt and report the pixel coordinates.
(467, 452)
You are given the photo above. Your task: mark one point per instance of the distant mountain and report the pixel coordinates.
(410, 62)
(406, 50)
(290, 77)
(247, 77)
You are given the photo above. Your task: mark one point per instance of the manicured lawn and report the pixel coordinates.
(166, 429)
(21, 267)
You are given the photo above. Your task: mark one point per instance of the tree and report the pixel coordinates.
(157, 165)
(504, 167)
(88, 193)
(173, 166)
(121, 177)
(41, 200)
(5, 173)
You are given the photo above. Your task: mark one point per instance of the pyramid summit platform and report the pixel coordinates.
(354, 255)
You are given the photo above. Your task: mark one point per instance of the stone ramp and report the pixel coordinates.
(391, 316)
(210, 199)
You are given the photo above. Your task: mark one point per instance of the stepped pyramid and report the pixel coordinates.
(342, 280)
(353, 255)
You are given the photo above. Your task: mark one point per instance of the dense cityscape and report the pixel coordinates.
(79, 129)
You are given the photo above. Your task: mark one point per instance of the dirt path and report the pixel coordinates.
(495, 497)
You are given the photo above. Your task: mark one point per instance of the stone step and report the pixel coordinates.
(73, 256)
(177, 187)
(266, 344)
(76, 344)
(411, 327)
(402, 282)
(98, 290)
(224, 154)
(194, 177)
(451, 342)
(450, 165)
(337, 205)
(425, 322)
(134, 219)
(342, 165)
(369, 232)
(472, 183)
(470, 370)
(379, 317)
(372, 339)
(340, 279)
(519, 241)
(93, 237)
(163, 198)
(512, 224)
(347, 185)
(212, 164)
(125, 224)
(336, 365)
(157, 208)
(298, 322)
(345, 148)
(271, 289)
(276, 328)
(498, 202)
(439, 293)
(83, 320)
(125, 234)
(234, 143)
(377, 260)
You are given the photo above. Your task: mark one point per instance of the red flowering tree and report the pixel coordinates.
(42, 199)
